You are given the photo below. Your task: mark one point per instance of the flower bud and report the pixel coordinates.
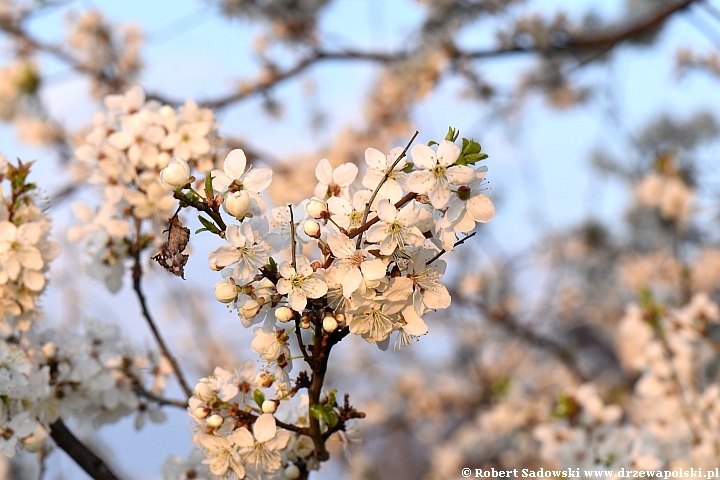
(268, 406)
(225, 291)
(323, 398)
(312, 228)
(49, 350)
(292, 472)
(32, 443)
(305, 321)
(204, 392)
(250, 309)
(238, 204)
(329, 323)
(340, 317)
(284, 314)
(214, 421)
(201, 412)
(317, 209)
(176, 174)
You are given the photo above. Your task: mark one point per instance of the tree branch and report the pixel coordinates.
(83, 456)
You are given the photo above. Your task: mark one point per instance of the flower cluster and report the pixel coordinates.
(376, 272)
(123, 154)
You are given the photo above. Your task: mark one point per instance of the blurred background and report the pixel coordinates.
(576, 103)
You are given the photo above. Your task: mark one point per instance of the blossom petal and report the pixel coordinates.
(235, 163)
(481, 208)
(423, 156)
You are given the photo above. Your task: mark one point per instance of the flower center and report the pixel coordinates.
(438, 171)
(394, 228)
(464, 193)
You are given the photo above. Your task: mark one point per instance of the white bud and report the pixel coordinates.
(176, 174)
(204, 392)
(32, 443)
(49, 350)
(329, 323)
(201, 412)
(323, 398)
(284, 314)
(268, 406)
(340, 317)
(312, 228)
(250, 309)
(225, 291)
(214, 421)
(292, 472)
(316, 209)
(238, 204)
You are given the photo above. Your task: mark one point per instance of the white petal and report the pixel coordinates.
(235, 163)
(373, 269)
(420, 181)
(375, 159)
(340, 245)
(324, 172)
(258, 179)
(423, 156)
(481, 208)
(460, 174)
(447, 153)
(345, 174)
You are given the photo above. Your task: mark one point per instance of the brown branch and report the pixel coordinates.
(382, 182)
(83, 456)
(443, 252)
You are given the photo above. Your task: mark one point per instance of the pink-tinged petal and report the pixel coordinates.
(321, 190)
(415, 325)
(235, 163)
(420, 181)
(134, 98)
(154, 134)
(360, 199)
(33, 281)
(414, 237)
(439, 196)
(339, 206)
(29, 233)
(303, 267)
(460, 174)
(121, 140)
(223, 256)
(392, 191)
(464, 224)
(437, 298)
(423, 157)
(351, 281)
(241, 437)
(12, 267)
(376, 233)
(409, 214)
(200, 146)
(387, 211)
(315, 288)
(258, 179)
(324, 172)
(264, 428)
(297, 300)
(8, 234)
(372, 179)
(456, 208)
(480, 172)
(373, 269)
(30, 258)
(286, 269)
(220, 181)
(345, 174)
(283, 286)
(282, 437)
(375, 159)
(340, 245)
(447, 153)
(481, 208)
(388, 246)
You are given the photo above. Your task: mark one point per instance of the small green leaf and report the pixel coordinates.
(318, 412)
(475, 157)
(201, 230)
(271, 265)
(450, 137)
(208, 186)
(432, 142)
(461, 161)
(332, 398)
(465, 144)
(408, 167)
(208, 224)
(471, 147)
(332, 418)
(259, 397)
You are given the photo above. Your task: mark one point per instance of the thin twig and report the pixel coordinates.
(382, 182)
(137, 286)
(443, 252)
(158, 399)
(374, 220)
(292, 239)
(298, 334)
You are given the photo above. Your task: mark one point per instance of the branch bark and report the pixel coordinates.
(78, 451)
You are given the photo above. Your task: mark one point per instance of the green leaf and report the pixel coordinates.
(475, 157)
(432, 142)
(201, 230)
(271, 266)
(259, 397)
(465, 144)
(208, 186)
(332, 398)
(471, 147)
(408, 167)
(319, 413)
(451, 136)
(461, 161)
(332, 418)
(208, 224)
